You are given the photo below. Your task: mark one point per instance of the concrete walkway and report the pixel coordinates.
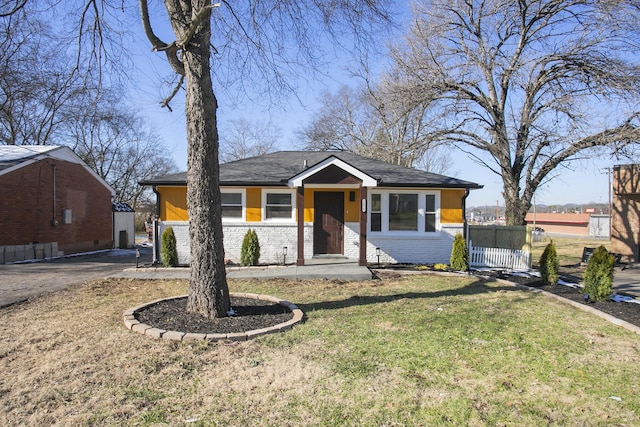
(626, 280)
(322, 268)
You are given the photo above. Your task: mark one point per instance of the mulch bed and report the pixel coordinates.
(250, 314)
(629, 312)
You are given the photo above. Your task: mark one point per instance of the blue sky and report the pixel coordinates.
(585, 183)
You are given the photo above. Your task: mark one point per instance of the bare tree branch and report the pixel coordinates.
(166, 102)
(525, 82)
(18, 6)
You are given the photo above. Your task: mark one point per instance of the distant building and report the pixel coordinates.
(625, 227)
(123, 226)
(574, 224)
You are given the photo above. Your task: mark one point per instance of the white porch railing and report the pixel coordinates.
(498, 258)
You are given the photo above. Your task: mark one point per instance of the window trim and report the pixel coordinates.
(243, 199)
(266, 191)
(422, 201)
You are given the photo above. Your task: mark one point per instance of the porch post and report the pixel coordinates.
(300, 207)
(363, 226)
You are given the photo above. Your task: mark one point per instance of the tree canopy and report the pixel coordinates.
(374, 121)
(525, 87)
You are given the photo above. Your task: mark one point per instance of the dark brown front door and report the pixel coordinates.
(328, 222)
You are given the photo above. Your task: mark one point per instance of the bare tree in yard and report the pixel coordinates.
(375, 122)
(114, 141)
(241, 139)
(527, 86)
(263, 42)
(44, 101)
(35, 83)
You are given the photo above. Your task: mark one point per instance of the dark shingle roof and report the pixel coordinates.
(276, 168)
(121, 207)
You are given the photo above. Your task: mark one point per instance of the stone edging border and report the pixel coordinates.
(130, 321)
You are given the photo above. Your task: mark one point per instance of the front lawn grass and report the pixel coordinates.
(414, 350)
(569, 249)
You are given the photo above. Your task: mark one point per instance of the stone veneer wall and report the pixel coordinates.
(17, 253)
(273, 238)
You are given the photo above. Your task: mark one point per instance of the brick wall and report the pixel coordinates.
(625, 217)
(28, 208)
(625, 226)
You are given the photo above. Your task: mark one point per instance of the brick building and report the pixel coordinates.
(50, 196)
(625, 225)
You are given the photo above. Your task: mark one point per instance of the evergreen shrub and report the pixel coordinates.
(598, 277)
(459, 254)
(250, 252)
(549, 265)
(168, 250)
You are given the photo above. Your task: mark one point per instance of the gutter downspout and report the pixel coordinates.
(464, 214)
(156, 247)
(54, 221)
(465, 227)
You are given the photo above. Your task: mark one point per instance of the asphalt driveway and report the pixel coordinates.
(19, 282)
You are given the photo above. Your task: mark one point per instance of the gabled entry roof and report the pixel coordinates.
(290, 168)
(297, 181)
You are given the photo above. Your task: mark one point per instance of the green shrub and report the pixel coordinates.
(168, 251)
(598, 277)
(250, 253)
(549, 265)
(459, 254)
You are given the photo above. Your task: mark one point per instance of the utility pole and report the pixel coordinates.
(610, 202)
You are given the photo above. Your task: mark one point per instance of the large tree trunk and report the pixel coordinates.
(515, 205)
(208, 290)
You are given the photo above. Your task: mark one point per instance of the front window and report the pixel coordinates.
(231, 205)
(430, 213)
(403, 212)
(376, 212)
(279, 206)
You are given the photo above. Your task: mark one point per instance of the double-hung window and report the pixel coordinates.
(278, 205)
(232, 205)
(430, 214)
(376, 212)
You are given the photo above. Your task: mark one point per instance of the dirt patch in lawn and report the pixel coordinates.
(250, 314)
